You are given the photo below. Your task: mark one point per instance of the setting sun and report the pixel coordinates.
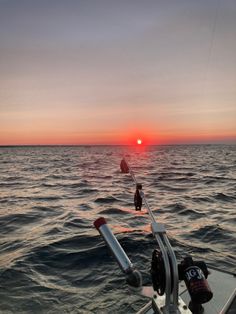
(139, 141)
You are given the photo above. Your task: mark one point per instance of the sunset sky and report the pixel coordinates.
(109, 72)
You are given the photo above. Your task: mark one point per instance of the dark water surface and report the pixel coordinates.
(52, 260)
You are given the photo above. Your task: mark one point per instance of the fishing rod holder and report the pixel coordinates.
(133, 276)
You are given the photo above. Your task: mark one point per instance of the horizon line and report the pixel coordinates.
(82, 145)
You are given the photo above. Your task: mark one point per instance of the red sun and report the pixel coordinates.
(139, 141)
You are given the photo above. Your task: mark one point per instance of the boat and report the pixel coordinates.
(189, 286)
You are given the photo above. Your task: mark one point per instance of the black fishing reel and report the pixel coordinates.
(194, 274)
(138, 202)
(158, 272)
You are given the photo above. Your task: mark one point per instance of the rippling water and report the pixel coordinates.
(52, 260)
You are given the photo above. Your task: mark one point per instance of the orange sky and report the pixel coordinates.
(87, 73)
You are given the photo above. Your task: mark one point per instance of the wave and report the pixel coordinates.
(213, 234)
(113, 211)
(106, 200)
(224, 197)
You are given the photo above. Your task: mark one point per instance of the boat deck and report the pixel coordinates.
(223, 286)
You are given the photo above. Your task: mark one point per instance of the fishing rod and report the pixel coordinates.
(159, 232)
(165, 272)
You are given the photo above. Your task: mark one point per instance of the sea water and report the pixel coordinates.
(52, 259)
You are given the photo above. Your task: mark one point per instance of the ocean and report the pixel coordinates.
(52, 259)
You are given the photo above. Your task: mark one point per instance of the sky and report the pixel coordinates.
(109, 72)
